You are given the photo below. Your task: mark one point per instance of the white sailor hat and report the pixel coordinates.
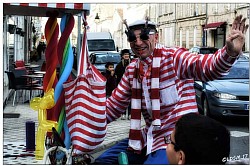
(141, 24)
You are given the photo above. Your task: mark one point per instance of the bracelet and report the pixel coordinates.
(233, 57)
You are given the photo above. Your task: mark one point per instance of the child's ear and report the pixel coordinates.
(181, 158)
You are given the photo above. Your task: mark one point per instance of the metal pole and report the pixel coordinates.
(79, 37)
(206, 26)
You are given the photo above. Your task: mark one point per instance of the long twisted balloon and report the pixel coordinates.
(66, 59)
(49, 82)
(51, 35)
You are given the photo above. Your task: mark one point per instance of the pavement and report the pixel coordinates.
(14, 133)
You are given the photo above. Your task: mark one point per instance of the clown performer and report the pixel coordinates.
(159, 85)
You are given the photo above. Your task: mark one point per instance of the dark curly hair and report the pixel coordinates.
(202, 139)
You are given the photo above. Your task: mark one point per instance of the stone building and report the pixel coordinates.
(184, 25)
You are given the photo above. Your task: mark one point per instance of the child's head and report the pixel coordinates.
(109, 66)
(198, 139)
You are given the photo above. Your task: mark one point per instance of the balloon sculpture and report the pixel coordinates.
(66, 59)
(40, 105)
(54, 101)
(47, 101)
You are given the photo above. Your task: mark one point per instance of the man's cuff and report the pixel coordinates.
(227, 57)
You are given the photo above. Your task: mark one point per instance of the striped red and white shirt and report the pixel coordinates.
(178, 70)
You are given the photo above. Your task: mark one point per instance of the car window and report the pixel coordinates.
(104, 58)
(101, 45)
(238, 71)
(207, 50)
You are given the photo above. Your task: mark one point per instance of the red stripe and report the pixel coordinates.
(78, 5)
(155, 94)
(134, 134)
(91, 89)
(136, 114)
(88, 142)
(81, 97)
(60, 5)
(84, 106)
(136, 93)
(42, 4)
(78, 113)
(156, 114)
(24, 4)
(87, 133)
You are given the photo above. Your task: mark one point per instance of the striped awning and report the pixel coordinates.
(42, 9)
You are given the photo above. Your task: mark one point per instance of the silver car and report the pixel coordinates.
(228, 96)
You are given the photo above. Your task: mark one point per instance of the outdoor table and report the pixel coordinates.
(40, 72)
(31, 66)
(31, 77)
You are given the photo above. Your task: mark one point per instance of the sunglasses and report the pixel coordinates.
(143, 36)
(169, 141)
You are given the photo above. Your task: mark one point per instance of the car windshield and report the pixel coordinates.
(104, 58)
(101, 45)
(239, 71)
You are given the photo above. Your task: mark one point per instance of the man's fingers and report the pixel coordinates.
(245, 29)
(236, 23)
(242, 25)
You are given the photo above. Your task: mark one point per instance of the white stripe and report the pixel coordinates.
(76, 142)
(239, 134)
(147, 99)
(155, 104)
(96, 92)
(33, 4)
(99, 116)
(150, 140)
(135, 124)
(136, 104)
(69, 5)
(82, 135)
(17, 4)
(51, 5)
(68, 84)
(87, 102)
(156, 62)
(155, 83)
(167, 83)
(135, 144)
(135, 84)
(156, 123)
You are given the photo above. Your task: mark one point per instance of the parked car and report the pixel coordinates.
(203, 50)
(99, 59)
(228, 96)
(246, 53)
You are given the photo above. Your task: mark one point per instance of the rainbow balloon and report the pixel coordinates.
(66, 59)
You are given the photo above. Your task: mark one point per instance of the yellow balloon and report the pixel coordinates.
(43, 127)
(41, 105)
(35, 103)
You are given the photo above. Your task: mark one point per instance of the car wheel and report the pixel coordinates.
(205, 107)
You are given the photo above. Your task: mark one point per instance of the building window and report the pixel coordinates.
(180, 37)
(203, 8)
(169, 36)
(181, 11)
(195, 31)
(196, 9)
(187, 38)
